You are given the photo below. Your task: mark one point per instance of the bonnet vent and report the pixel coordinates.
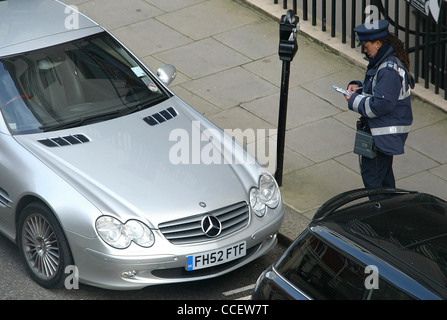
(161, 116)
(65, 141)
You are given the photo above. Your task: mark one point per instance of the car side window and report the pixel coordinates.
(324, 273)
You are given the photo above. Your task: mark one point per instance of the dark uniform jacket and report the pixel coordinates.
(384, 103)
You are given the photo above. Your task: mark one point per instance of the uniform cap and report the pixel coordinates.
(371, 31)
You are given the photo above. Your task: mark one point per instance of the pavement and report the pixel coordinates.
(226, 54)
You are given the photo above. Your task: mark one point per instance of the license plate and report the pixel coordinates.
(216, 257)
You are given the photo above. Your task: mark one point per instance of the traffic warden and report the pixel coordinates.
(383, 101)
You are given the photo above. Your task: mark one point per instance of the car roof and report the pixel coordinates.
(410, 228)
(32, 24)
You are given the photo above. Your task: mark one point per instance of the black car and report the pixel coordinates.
(366, 244)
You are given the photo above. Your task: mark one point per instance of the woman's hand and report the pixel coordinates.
(351, 89)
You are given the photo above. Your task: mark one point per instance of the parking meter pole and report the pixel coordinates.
(282, 121)
(288, 47)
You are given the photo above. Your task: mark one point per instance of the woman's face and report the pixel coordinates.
(371, 48)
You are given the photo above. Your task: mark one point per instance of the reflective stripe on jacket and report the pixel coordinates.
(385, 104)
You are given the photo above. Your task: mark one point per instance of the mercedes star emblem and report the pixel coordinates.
(211, 226)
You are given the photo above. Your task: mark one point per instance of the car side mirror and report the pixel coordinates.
(167, 73)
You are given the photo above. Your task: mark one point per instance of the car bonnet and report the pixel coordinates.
(128, 167)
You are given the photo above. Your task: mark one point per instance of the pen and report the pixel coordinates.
(357, 88)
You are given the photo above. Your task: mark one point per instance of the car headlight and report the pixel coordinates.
(120, 235)
(267, 194)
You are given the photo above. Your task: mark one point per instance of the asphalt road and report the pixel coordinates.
(16, 285)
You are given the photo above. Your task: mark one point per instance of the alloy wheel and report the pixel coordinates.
(40, 246)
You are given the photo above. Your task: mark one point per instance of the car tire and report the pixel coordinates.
(43, 245)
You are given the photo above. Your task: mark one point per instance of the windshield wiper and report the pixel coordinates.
(102, 116)
(80, 121)
(144, 105)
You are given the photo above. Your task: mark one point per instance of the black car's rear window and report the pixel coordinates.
(324, 273)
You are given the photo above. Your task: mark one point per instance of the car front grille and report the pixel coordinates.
(189, 230)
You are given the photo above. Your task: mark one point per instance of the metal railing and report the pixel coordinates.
(424, 33)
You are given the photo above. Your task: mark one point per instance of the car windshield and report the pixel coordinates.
(71, 84)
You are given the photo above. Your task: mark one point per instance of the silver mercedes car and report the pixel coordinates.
(91, 170)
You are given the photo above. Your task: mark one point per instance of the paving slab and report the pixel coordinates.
(204, 107)
(321, 140)
(231, 87)
(148, 37)
(113, 14)
(322, 87)
(256, 40)
(202, 58)
(307, 189)
(173, 5)
(208, 18)
(431, 141)
(426, 181)
(306, 108)
(241, 120)
(440, 171)
(425, 114)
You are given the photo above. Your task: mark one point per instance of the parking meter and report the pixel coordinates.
(288, 45)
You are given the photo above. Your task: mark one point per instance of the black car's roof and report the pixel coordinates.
(410, 227)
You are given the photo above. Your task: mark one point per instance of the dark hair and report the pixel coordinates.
(399, 49)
